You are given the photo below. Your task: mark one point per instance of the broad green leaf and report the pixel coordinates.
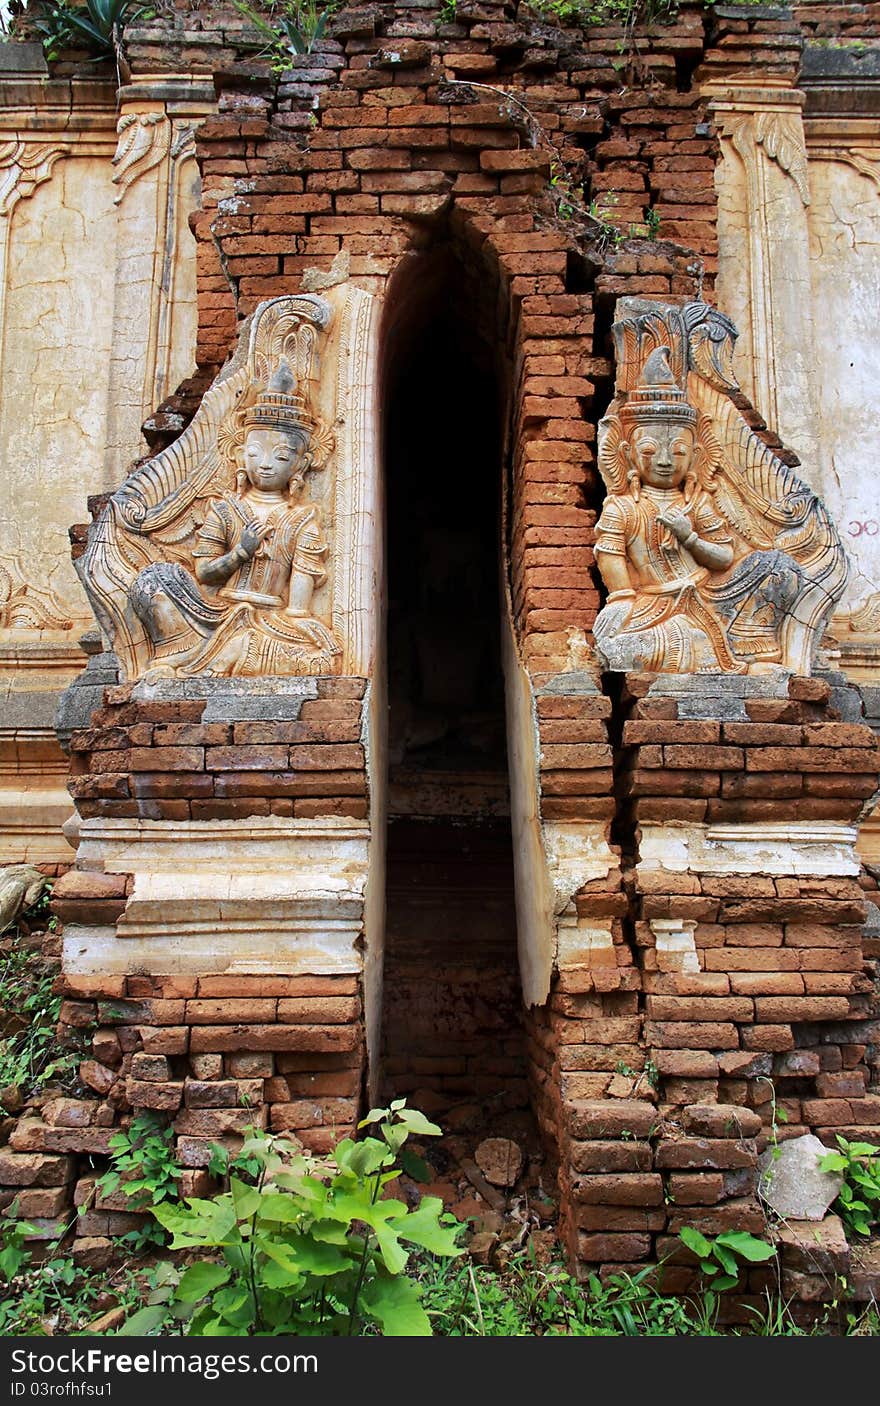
(285, 1258)
(318, 1257)
(395, 1304)
(727, 1259)
(417, 1123)
(164, 1273)
(221, 1328)
(393, 1254)
(727, 1281)
(234, 1303)
(395, 1136)
(200, 1279)
(204, 1223)
(422, 1227)
(832, 1162)
(280, 1208)
(330, 1232)
(748, 1246)
(142, 1323)
(695, 1241)
(375, 1115)
(359, 1206)
(367, 1157)
(246, 1199)
(276, 1276)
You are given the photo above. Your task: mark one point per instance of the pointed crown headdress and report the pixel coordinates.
(657, 396)
(279, 406)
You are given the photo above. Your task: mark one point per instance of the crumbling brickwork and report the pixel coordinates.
(657, 1061)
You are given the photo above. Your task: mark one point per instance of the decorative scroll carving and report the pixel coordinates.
(862, 159)
(24, 166)
(207, 560)
(144, 142)
(27, 607)
(780, 133)
(865, 619)
(718, 558)
(184, 143)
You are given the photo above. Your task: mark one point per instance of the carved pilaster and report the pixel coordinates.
(144, 141)
(156, 178)
(764, 199)
(780, 134)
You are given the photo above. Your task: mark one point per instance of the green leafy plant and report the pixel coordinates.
(316, 1247)
(532, 1299)
(565, 196)
(14, 1253)
(97, 25)
(58, 1296)
(858, 1201)
(778, 1116)
(291, 26)
(223, 1166)
(29, 1053)
(721, 1258)
(143, 1166)
(592, 12)
(447, 13)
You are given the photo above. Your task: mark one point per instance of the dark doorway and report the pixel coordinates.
(452, 1035)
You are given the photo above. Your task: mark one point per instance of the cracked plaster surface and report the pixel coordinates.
(844, 224)
(59, 302)
(821, 338)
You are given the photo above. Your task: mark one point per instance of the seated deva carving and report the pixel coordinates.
(209, 558)
(717, 558)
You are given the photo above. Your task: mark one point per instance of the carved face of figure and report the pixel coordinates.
(272, 457)
(663, 453)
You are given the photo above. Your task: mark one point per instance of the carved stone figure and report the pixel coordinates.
(209, 557)
(717, 558)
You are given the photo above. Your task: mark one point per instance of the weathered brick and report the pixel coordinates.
(143, 1094)
(619, 1189)
(627, 1249)
(228, 1012)
(323, 1039)
(711, 1035)
(710, 1153)
(34, 1169)
(613, 1118)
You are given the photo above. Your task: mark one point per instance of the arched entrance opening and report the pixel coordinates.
(453, 1039)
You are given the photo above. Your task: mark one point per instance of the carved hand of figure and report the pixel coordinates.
(252, 535)
(678, 523)
(311, 630)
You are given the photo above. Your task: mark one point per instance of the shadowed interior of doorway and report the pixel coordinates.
(453, 1040)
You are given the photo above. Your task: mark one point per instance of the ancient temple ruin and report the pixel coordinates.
(463, 688)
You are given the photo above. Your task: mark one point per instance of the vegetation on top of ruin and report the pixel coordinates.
(96, 25)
